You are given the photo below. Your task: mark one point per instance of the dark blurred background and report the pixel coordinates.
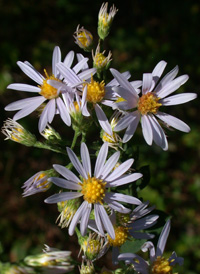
(143, 33)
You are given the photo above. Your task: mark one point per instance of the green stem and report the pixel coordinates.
(83, 139)
(45, 146)
(76, 134)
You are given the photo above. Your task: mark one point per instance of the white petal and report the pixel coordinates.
(178, 99)
(172, 86)
(79, 58)
(173, 121)
(124, 198)
(68, 174)
(106, 222)
(69, 75)
(126, 179)
(125, 121)
(98, 219)
(120, 170)
(24, 87)
(85, 157)
(30, 72)
(63, 111)
(168, 78)
(65, 183)
(163, 239)
(85, 219)
(149, 246)
(101, 158)
(132, 127)
(51, 110)
(117, 206)
(103, 121)
(25, 103)
(80, 65)
(146, 129)
(123, 82)
(69, 59)
(110, 164)
(127, 95)
(147, 83)
(56, 58)
(114, 82)
(158, 70)
(76, 163)
(79, 213)
(158, 133)
(43, 119)
(61, 197)
(86, 74)
(145, 222)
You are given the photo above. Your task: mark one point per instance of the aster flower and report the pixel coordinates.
(51, 261)
(100, 61)
(154, 95)
(93, 189)
(158, 264)
(45, 90)
(129, 226)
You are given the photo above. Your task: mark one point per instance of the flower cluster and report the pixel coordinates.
(97, 191)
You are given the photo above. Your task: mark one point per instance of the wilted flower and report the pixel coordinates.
(158, 264)
(105, 20)
(15, 132)
(83, 38)
(87, 268)
(93, 189)
(154, 95)
(52, 261)
(50, 134)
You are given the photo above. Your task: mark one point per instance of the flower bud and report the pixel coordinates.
(83, 38)
(100, 61)
(87, 269)
(105, 20)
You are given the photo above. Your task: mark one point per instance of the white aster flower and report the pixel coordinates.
(93, 189)
(158, 264)
(154, 95)
(45, 90)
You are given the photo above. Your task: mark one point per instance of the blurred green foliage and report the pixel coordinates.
(143, 33)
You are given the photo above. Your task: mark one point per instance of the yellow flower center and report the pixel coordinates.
(109, 138)
(99, 60)
(104, 19)
(83, 38)
(93, 190)
(148, 103)
(47, 90)
(95, 91)
(161, 266)
(121, 235)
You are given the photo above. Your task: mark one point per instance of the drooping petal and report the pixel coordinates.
(146, 129)
(68, 174)
(24, 87)
(65, 183)
(149, 246)
(63, 112)
(43, 119)
(173, 121)
(101, 158)
(30, 72)
(103, 121)
(85, 157)
(79, 213)
(106, 221)
(61, 197)
(132, 127)
(76, 163)
(98, 219)
(85, 219)
(51, 110)
(178, 99)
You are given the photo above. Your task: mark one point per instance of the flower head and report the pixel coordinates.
(158, 264)
(146, 107)
(105, 20)
(83, 38)
(15, 132)
(100, 61)
(94, 188)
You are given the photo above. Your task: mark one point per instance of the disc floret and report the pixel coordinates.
(148, 103)
(47, 90)
(161, 266)
(121, 235)
(95, 91)
(93, 190)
